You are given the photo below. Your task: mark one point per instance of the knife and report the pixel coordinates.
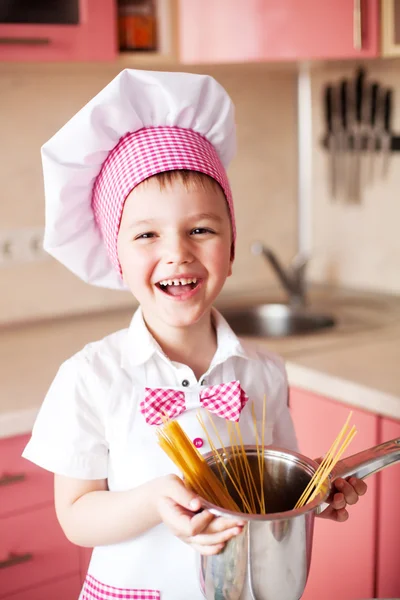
(372, 133)
(331, 139)
(359, 108)
(387, 130)
(344, 145)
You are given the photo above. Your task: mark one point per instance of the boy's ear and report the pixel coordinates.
(230, 268)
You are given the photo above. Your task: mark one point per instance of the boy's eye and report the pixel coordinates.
(145, 236)
(199, 230)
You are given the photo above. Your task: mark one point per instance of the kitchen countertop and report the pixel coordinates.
(357, 362)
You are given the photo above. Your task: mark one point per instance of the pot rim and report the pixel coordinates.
(307, 463)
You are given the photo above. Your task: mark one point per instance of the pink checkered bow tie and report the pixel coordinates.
(225, 400)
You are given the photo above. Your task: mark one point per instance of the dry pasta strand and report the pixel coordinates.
(235, 483)
(260, 457)
(328, 463)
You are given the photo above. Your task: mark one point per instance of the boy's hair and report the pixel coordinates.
(189, 179)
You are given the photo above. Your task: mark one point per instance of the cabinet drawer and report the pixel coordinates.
(33, 550)
(23, 485)
(62, 589)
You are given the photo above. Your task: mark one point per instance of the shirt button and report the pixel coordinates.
(185, 382)
(203, 382)
(198, 442)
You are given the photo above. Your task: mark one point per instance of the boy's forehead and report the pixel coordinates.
(148, 201)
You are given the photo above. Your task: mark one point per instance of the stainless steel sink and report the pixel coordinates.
(275, 320)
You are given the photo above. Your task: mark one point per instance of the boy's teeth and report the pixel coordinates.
(177, 281)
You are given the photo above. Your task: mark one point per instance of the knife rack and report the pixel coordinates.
(391, 145)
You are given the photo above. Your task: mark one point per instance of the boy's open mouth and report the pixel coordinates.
(177, 287)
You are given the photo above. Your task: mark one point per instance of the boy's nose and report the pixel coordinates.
(177, 251)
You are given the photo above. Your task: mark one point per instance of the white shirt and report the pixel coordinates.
(90, 427)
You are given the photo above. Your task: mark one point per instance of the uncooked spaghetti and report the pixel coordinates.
(320, 476)
(199, 476)
(234, 485)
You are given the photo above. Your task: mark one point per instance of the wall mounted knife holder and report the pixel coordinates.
(358, 124)
(393, 145)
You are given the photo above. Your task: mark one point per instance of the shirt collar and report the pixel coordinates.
(140, 346)
(228, 344)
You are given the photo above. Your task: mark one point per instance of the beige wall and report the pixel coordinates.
(36, 100)
(357, 245)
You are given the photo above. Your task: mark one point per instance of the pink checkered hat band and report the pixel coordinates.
(140, 155)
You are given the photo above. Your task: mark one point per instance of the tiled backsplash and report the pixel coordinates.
(37, 100)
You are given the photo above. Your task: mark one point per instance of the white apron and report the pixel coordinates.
(156, 565)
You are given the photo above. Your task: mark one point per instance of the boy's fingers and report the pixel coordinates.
(181, 521)
(206, 524)
(359, 485)
(177, 491)
(208, 550)
(348, 491)
(200, 522)
(338, 501)
(221, 524)
(177, 518)
(341, 515)
(212, 539)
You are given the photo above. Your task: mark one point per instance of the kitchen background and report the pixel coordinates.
(256, 50)
(353, 245)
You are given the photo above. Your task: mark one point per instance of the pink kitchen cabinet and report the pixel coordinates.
(37, 562)
(63, 589)
(85, 555)
(261, 30)
(343, 557)
(34, 550)
(388, 567)
(94, 38)
(22, 484)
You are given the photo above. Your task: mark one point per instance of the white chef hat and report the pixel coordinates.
(140, 124)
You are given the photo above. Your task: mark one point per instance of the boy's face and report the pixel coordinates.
(175, 236)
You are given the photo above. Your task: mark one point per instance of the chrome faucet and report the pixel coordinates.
(292, 279)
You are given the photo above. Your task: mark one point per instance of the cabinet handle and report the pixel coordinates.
(23, 41)
(357, 25)
(10, 478)
(15, 559)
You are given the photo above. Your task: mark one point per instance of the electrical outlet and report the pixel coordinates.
(19, 246)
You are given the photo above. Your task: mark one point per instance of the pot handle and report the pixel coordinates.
(369, 461)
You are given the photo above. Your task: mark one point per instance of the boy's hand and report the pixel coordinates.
(178, 508)
(345, 492)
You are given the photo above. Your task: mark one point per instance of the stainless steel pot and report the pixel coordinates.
(270, 559)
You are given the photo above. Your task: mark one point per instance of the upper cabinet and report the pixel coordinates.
(261, 30)
(198, 31)
(58, 31)
(390, 18)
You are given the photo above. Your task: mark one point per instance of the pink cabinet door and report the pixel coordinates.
(94, 38)
(255, 30)
(33, 550)
(22, 484)
(84, 560)
(388, 569)
(62, 589)
(343, 556)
